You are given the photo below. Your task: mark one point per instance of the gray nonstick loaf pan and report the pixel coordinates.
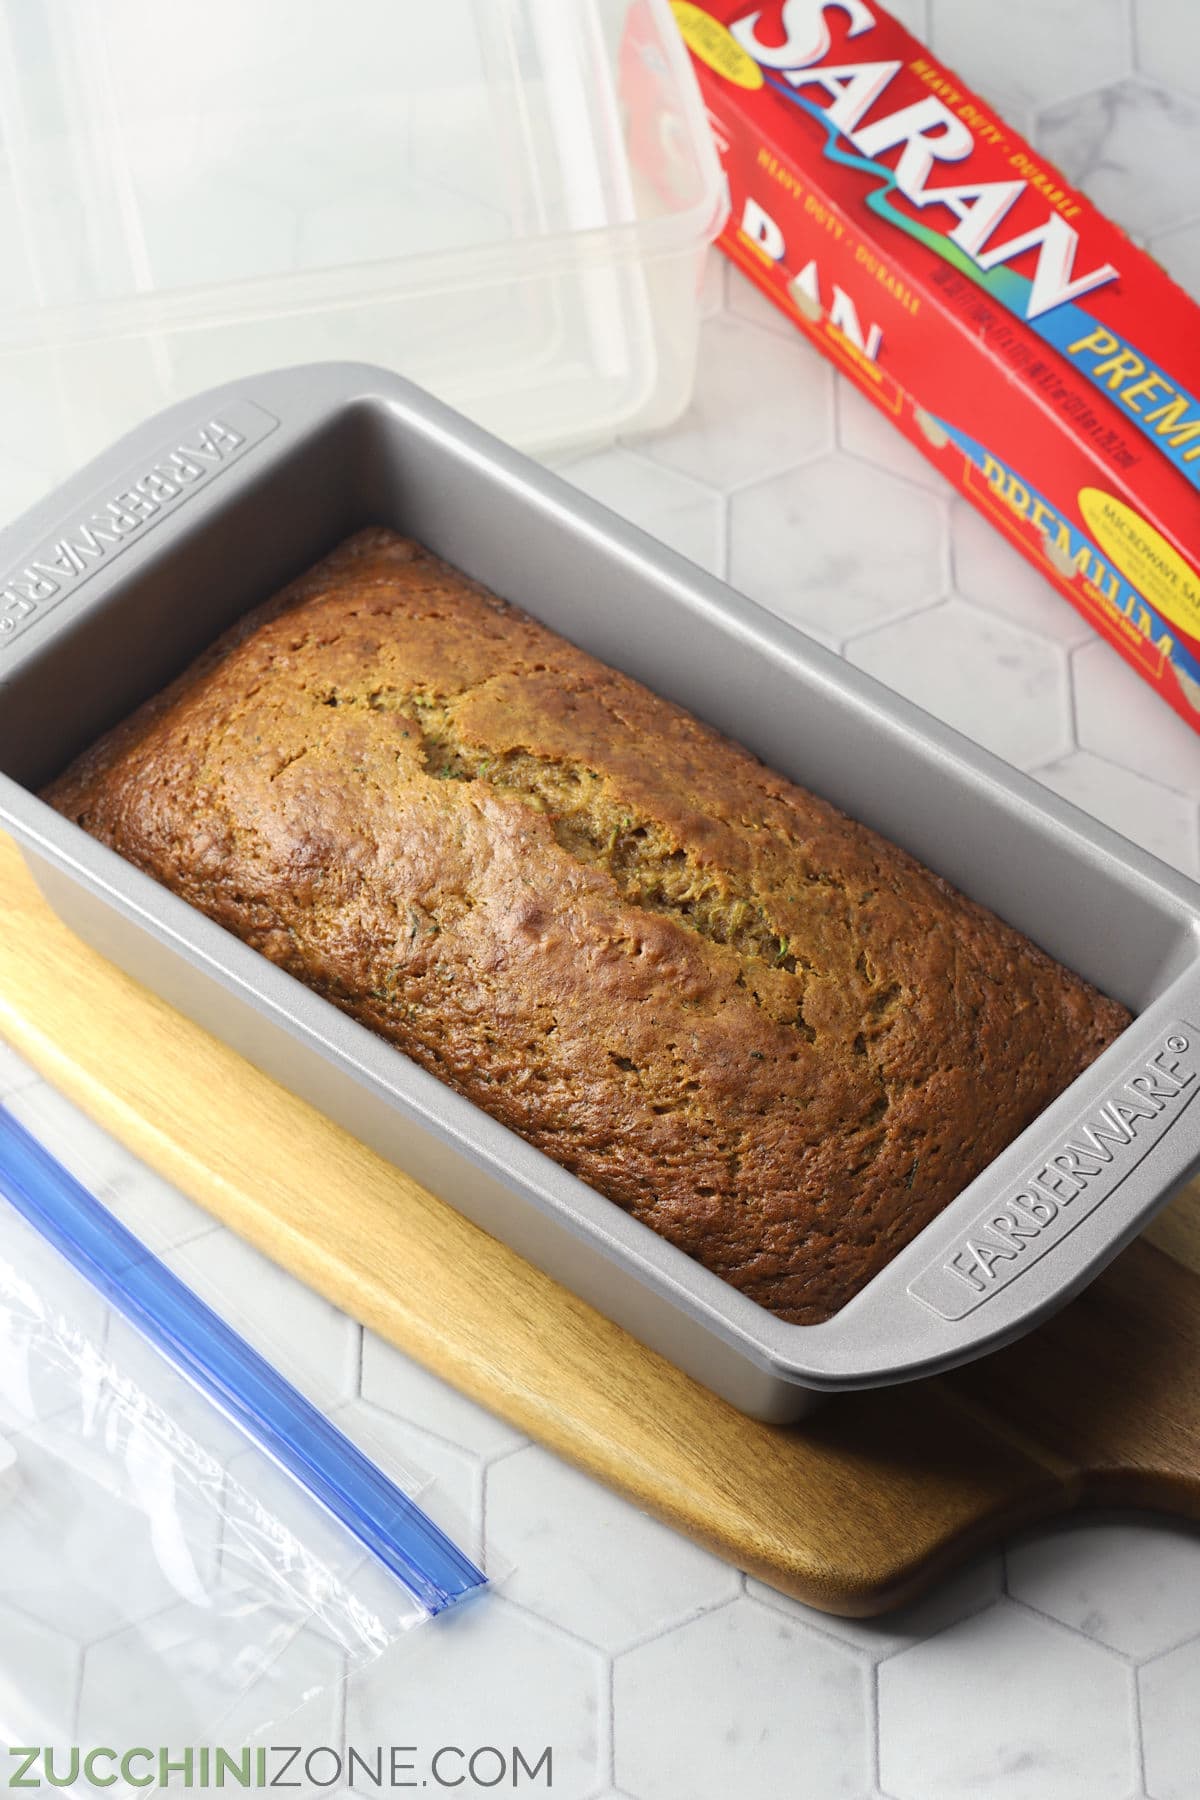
(113, 583)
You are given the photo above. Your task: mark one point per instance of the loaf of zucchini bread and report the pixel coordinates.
(769, 1034)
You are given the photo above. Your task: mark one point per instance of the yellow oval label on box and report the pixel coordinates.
(715, 45)
(1144, 557)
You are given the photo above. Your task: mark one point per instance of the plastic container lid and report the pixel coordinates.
(508, 200)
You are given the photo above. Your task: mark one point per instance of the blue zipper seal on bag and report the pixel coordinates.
(241, 1382)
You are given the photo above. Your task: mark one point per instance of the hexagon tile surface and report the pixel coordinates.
(796, 544)
(1069, 58)
(714, 1709)
(491, 1674)
(1004, 686)
(1171, 1723)
(591, 1562)
(40, 1671)
(761, 402)
(1066, 1667)
(1025, 1709)
(1134, 1586)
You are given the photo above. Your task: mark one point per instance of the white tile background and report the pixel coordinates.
(1065, 1666)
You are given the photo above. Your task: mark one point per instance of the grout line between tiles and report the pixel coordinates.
(1137, 1735)
(77, 1691)
(1124, 1657)
(724, 529)
(1066, 645)
(1146, 1662)
(484, 1546)
(681, 1624)
(553, 1627)
(493, 1458)
(1072, 701)
(733, 490)
(931, 490)
(901, 618)
(637, 448)
(1125, 768)
(610, 1748)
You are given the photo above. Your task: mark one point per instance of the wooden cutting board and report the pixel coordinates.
(854, 1511)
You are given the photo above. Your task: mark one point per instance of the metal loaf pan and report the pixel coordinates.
(121, 576)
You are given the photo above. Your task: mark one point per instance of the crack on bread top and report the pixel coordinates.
(647, 865)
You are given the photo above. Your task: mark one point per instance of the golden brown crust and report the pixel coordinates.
(751, 1022)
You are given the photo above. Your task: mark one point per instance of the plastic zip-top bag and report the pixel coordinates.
(162, 1484)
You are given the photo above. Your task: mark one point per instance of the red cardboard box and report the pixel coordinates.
(1045, 364)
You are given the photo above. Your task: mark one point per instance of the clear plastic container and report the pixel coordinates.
(507, 200)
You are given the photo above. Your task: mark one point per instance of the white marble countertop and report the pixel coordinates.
(1067, 1665)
